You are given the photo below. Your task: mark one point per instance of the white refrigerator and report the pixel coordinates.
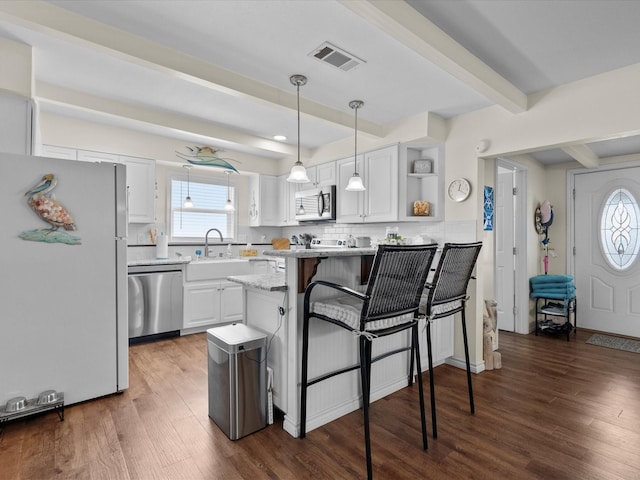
(63, 288)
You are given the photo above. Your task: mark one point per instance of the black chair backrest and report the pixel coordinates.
(397, 280)
(453, 273)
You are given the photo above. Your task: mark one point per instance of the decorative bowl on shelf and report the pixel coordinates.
(47, 397)
(16, 404)
(421, 208)
(422, 166)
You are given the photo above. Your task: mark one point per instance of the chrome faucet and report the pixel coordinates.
(206, 240)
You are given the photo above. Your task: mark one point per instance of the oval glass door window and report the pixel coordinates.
(619, 229)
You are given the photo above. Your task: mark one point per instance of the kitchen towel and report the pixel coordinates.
(162, 246)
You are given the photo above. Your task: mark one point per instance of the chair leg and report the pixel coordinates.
(432, 390)
(466, 357)
(415, 350)
(365, 378)
(303, 382)
(413, 346)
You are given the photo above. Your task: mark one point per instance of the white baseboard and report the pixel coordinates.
(460, 363)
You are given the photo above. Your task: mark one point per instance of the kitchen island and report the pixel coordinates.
(274, 303)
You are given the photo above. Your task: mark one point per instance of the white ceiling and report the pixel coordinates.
(217, 72)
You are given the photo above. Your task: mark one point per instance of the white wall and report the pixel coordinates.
(597, 108)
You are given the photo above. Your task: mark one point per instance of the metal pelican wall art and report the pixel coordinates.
(52, 212)
(208, 157)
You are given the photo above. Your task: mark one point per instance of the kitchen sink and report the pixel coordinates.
(211, 268)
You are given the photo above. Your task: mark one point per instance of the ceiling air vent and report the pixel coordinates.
(336, 57)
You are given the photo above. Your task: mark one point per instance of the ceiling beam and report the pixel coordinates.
(582, 154)
(217, 133)
(88, 33)
(402, 22)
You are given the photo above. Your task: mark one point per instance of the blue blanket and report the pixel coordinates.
(551, 279)
(557, 287)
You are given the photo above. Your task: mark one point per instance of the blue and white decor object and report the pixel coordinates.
(488, 208)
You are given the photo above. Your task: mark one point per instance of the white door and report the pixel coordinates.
(505, 243)
(605, 265)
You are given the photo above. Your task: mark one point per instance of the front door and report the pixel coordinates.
(607, 242)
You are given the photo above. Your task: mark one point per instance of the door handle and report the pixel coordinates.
(320, 203)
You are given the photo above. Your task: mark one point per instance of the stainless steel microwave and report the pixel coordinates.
(318, 204)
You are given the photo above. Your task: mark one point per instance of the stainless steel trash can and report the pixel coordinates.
(237, 379)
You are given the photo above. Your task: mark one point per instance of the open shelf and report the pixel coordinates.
(426, 186)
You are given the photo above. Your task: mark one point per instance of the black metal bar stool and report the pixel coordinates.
(446, 295)
(390, 305)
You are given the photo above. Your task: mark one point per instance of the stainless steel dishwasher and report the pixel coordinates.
(155, 299)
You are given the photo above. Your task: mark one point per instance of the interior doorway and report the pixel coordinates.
(510, 275)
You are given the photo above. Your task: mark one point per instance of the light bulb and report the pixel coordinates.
(298, 174)
(355, 184)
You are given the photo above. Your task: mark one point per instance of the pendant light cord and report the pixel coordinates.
(355, 152)
(356, 104)
(298, 95)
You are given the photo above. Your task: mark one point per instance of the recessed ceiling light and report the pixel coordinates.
(280, 138)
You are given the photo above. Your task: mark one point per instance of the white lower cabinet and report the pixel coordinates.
(442, 332)
(211, 303)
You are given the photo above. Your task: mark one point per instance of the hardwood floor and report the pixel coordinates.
(556, 410)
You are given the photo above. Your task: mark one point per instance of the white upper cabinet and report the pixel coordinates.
(379, 202)
(89, 156)
(349, 205)
(381, 181)
(321, 176)
(15, 123)
(59, 152)
(287, 210)
(264, 201)
(141, 178)
(141, 189)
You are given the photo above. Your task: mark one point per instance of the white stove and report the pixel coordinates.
(325, 243)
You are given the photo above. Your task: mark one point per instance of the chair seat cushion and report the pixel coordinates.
(438, 310)
(347, 308)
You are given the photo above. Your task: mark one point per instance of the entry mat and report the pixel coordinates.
(618, 343)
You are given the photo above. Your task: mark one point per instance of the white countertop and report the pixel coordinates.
(159, 261)
(188, 259)
(320, 252)
(271, 282)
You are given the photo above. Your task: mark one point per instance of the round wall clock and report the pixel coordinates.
(459, 190)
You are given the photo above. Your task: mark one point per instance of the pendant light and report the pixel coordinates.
(188, 203)
(228, 206)
(301, 210)
(298, 172)
(355, 182)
